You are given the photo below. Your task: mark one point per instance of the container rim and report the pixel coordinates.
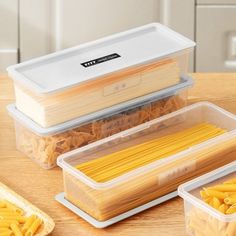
(183, 191)
(16, 76)
(186, 82)
(87, 180)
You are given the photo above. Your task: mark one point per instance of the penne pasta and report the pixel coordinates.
(223, 208)
(225, 188)
(216, 203)
(34, 227)
(16, 230)
(20, 219)
(223, 196)
(13, 207)
(13, 221)
(220, 197)
(4, 230)
(230, 200)
(231, 209)
(214, 193)
(6, 233)
(28, 223)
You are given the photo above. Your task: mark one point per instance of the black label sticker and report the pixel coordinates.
(100, 60)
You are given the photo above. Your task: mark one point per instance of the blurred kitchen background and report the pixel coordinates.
(31, 28)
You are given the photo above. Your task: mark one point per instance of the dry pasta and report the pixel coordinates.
(113, 165)
(201, 223)
(115, 198)
(45, 150)
(97, 94)
(222, 198)
(14, 222)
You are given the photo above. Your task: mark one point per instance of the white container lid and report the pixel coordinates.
(103, 224)
(185, 83)
(185, 189)
(71, 67)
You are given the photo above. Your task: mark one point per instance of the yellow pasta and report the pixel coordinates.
(6, 233)
(201, 223)
(4, 230)
(231, 209)
(13, 207)
(16, 230)
(222, 198)
(34, 227)
(113, 165)
(230, 200)
(231, 181)
(215, 193)
(224, 187)
(13, 221)
(20, 219)
(28, 223)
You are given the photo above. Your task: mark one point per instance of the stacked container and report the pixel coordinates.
(117, 91)
(83, 94)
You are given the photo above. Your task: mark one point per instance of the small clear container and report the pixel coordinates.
(104, 200)
(201, 218)
(81, 80)
(44, 145)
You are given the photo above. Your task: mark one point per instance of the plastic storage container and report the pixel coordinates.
(202, 219)
(108, 199)
(78, 81)
(44, 145)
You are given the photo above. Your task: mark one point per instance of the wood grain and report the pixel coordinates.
(40, 186)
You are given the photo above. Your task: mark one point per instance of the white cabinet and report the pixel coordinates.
(212, 24)
(8, 33)
(31, 28)
(180, 16)
(216, 38)
(35, 28)
(46, 26)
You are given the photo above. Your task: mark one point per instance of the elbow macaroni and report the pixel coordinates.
(13, 221)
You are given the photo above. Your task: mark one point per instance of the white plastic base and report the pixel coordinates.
(102, 224)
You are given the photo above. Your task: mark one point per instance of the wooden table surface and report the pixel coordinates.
(40, 186)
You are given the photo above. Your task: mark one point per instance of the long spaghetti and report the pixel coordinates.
(113, 165)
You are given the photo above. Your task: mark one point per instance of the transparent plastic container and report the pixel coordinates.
(44, 145)
(201, 218)
(78, 81)
(104, 200)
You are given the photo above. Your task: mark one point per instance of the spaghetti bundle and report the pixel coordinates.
(118, 163)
